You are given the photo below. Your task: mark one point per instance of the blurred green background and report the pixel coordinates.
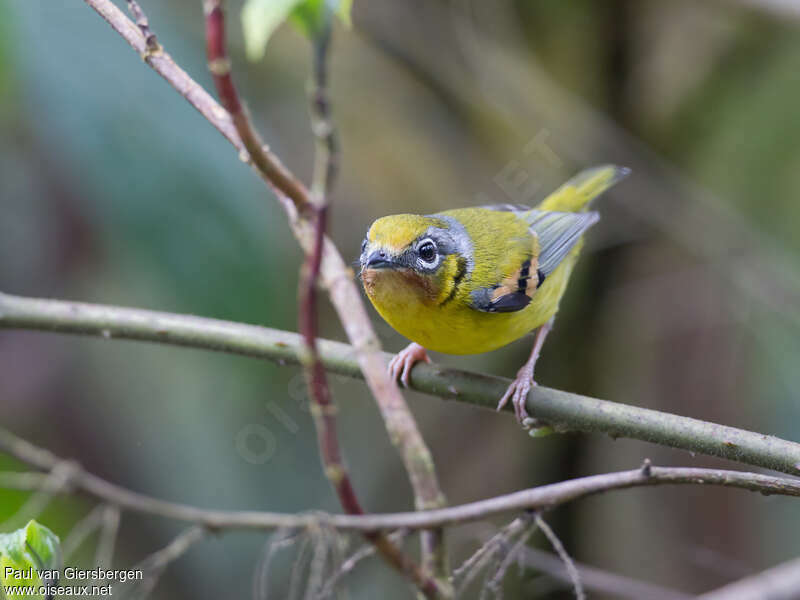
(113, 190)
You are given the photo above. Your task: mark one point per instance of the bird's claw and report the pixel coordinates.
(517, 392)
(400, 366)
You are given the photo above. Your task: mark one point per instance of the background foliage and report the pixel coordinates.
(113, 190)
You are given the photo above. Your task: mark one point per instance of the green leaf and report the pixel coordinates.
(310, 16)
(25, 554)
(260, 19)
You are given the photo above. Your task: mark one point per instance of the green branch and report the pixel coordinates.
(562, 410)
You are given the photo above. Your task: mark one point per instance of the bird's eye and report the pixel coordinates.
(427, 251)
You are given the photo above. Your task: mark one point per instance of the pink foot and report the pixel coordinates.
(517, 392)
(400, 366)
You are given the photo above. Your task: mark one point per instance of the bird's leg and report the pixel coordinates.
(519, 388)
(400, 366)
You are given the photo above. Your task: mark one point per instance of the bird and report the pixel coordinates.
(471, 280)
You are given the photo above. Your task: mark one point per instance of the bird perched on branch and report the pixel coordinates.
(471, 280)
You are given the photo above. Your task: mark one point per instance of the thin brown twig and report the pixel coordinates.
(539, 498)
(324, 540)
(336, 275)
(298, 566)
(56, 481)
(555, 542)
(155, 564)
(470, 568)
(143, 24)
(82, 530)
(109, 528)
(350, 563)
(326, 160)
(316, 208)
(496, 582)
(275, 174)
(323, 407)
(281, 539)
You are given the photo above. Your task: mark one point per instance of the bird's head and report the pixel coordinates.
(414, 258)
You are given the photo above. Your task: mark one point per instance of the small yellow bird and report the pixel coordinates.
(471, 280)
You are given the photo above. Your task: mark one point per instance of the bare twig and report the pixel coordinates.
(781, 582)
(326, 159)
(539, 498)
(109, 523)
(161, 559)
(572, 571)
(82, 530)
(336, 276)
(26, 481)
(496, 582)
(323, 407)
(324, 540)
(155, 564)
(562, 409)
(345, 297)
(56, 482)
(354, 559)
(470, 568)
(298, 567)
(289, 189)
(282, 538)
(143, 24)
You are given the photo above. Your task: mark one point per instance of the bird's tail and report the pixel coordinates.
(577, 193)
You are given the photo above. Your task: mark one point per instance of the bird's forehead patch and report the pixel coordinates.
(396, 232)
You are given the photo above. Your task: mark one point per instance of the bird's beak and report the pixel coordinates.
(380, 259)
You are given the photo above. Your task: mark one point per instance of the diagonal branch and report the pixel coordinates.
(154, 565)
(323, 407)
(267, 164)
(336, 276)
(564, 410)
(315, 209)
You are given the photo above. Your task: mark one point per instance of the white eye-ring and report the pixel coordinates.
(428, 253)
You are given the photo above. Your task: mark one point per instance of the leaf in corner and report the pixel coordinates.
(260, 19)
(26, 552)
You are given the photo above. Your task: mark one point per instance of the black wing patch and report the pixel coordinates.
(512, 294)
(557, 233)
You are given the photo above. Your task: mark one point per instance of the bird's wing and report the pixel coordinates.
(557, 233)
(554, 235)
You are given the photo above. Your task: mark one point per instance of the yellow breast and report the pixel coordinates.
(456, 328)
